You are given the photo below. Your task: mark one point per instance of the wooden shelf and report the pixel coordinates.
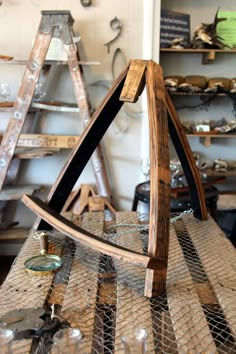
(16, 192)
(211, 172)
(206, 139)
(208, 55)
(191, 50)
(35, 153)
(17, 233)
(206, 94)
(46, 62)
(45, 106)
(202, 135)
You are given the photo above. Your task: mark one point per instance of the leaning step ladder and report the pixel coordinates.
(52, 24)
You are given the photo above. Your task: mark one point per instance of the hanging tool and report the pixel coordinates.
(116, 25)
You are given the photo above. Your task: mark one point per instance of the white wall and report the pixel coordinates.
(123, 143)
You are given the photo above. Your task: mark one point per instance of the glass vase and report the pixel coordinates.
(6, 338)
(137, 344)
(67, 341)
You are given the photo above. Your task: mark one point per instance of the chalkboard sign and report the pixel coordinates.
(174, 25)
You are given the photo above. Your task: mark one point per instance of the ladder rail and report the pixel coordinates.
(23, 102)
(82, 97)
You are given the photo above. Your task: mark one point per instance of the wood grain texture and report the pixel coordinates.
(159, 179)
(134, 82)
(47, 141)
(78, 234)
(15, 192)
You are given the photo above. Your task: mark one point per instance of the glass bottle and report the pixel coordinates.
(67, 340)
(6, 338)
(5, 91)
(137, 345)
(145, 168)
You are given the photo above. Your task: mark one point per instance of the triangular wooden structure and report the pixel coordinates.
(85, 199)
(128, 87)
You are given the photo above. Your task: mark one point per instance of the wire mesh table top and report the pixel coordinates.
(104, 298)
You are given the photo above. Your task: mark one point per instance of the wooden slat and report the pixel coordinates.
(189, 322)
(134, 82)
(17, 192)
(218, 259)
(78, 234)
(55, 106)
(159, 179)
(16, 233)
(47, 141)
(78, 199)
(133, 309)
(34, 153)
(79, 305)
(5, 57)
(47, 62)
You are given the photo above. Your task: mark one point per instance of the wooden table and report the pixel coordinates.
(104, 297)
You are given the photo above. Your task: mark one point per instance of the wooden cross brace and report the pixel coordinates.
(128, 87)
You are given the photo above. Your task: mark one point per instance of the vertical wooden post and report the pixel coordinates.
(159, 219)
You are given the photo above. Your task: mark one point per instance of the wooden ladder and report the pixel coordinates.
(53, 24)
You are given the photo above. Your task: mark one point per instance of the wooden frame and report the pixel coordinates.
(128, 87)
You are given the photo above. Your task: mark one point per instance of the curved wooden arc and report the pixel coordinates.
(79, 234)
(185, 155)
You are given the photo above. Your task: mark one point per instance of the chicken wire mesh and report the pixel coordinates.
(103, 297)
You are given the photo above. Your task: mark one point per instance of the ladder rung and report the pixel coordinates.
(15, 233)
(35, 153)
(16, 192)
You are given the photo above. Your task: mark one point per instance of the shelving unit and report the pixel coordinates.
(203, 106)
(211, 172)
